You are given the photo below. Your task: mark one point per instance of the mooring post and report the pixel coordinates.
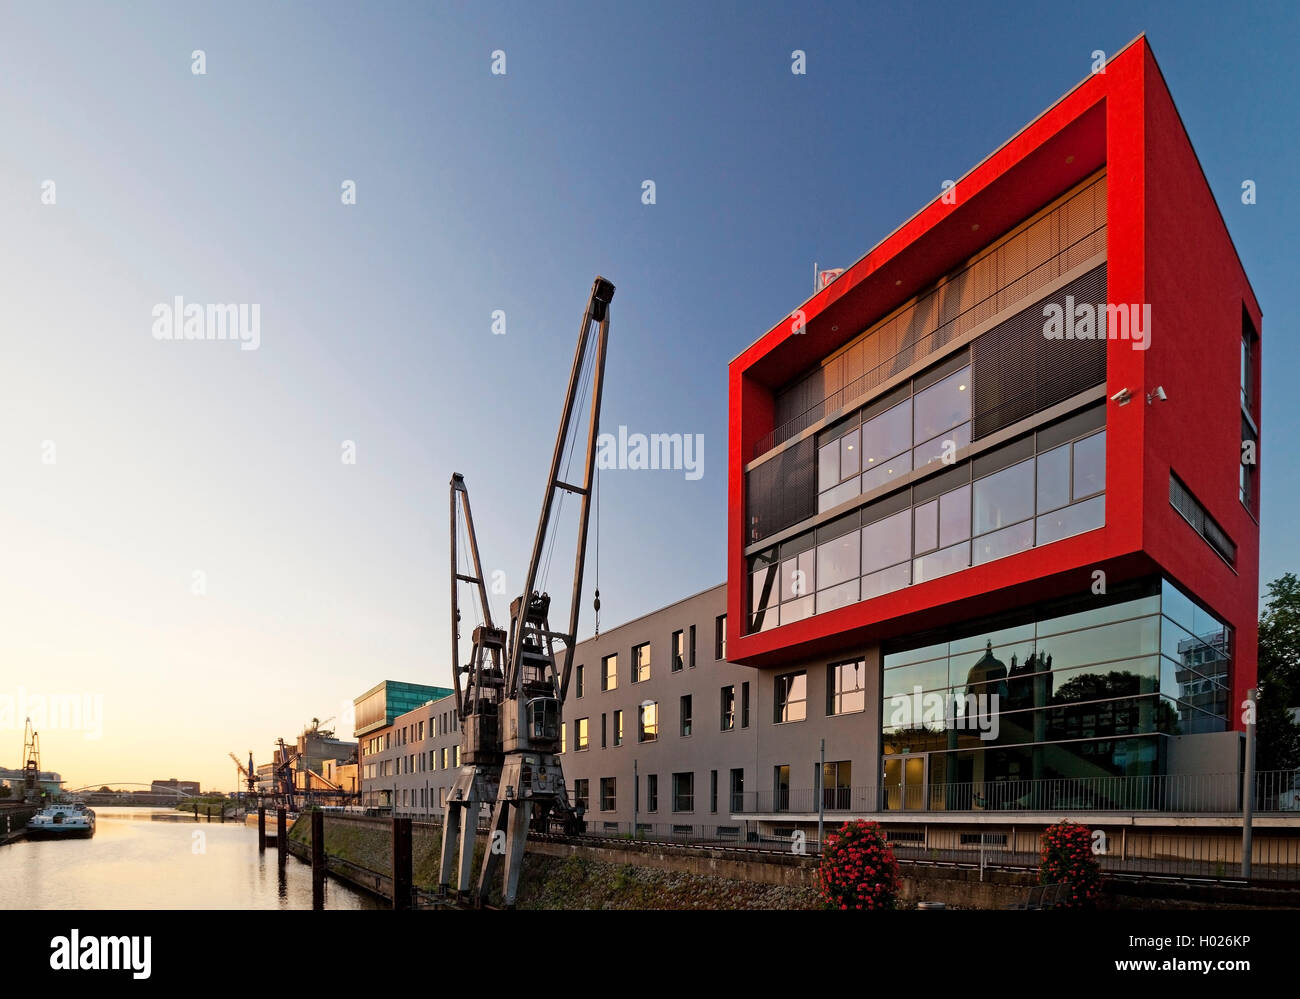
(401, 862)
(317, 859)
(282, 832)
(261, 829)
(196, 811)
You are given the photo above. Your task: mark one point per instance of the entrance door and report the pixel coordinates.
(904, 783)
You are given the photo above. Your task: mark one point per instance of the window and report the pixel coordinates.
(781, 787)
(648, 722)
(837, 784)
(652, 792)
(713, 790)
(720, 637)
(608, 794)
(564, 743)
(691, 659)
(602, 730)
(686, 714)
(580, 681)
(580, 734)
(790, 697)
(609, 672)
(442, 796)
(581, 791)
(431, 763)
(737, 789)
(442, 764)
(420, 737)
(846, 690)
(729, 707)
(684, 792)
(618, 728)
(455, 756)
(744, 704)
(641, 662)
(679, 651)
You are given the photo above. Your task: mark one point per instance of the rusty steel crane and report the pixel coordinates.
(509, 707)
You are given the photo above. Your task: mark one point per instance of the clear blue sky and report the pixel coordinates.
(475, 192)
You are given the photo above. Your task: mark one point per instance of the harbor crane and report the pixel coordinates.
(31, 764)
(250, 774)
(509, 705)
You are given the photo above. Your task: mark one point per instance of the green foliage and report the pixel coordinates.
(1278, 747)
(858, 868)
(1067, 856)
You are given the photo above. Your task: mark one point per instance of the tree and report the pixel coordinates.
(1278, 746)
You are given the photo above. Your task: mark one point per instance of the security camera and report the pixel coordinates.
(1159, 393)
(1122, 397)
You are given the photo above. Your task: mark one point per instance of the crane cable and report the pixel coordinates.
(596, 602)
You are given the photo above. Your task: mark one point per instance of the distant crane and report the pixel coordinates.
(284, 774)
(250, 774)
(510, 705)
(31, 764)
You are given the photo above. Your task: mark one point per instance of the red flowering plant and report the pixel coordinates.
(858, 869)
(1067, 857)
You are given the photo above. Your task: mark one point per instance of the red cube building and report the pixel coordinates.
(1028, 404)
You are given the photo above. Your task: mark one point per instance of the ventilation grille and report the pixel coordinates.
(783, 491)
(1182, 500)
(1017, 371)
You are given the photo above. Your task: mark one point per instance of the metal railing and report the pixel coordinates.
(1276, 791)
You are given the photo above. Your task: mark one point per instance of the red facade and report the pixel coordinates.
(1166, 246)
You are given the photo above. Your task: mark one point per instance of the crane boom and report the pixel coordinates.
(510, 707)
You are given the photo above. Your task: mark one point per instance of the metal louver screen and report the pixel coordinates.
(1017, 371)
(782, 492)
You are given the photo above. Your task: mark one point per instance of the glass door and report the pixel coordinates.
(904, 782)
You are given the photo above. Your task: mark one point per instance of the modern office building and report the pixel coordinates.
(991, 542)
(996, 469)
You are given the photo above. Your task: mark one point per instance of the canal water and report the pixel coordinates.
(144, 858)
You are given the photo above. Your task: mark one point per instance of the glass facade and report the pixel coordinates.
(1036, 489)
(381, 705)
(972, 720)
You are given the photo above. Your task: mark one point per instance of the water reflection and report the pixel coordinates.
(143, 858)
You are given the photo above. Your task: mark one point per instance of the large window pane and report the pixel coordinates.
(954, 516)
(1121, 640)
(839, 560)
(927, 526)
(837, 596)
(946, 445)
(850, 455)
(832, 498)
(932, 675)
(887, 542)
(797, 610)
(1004, 498)
(1086, 516)
(1053, 479)
(882, 472)
(888, 434)
(1090, 465)
(828, 465)
(798, 576)
(1005, 542)
(941, 563)
(943, 405)
(886, 580)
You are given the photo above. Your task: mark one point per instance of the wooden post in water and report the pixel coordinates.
(261, 829)
(281, 832)
(401, 862)
(318, 859)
